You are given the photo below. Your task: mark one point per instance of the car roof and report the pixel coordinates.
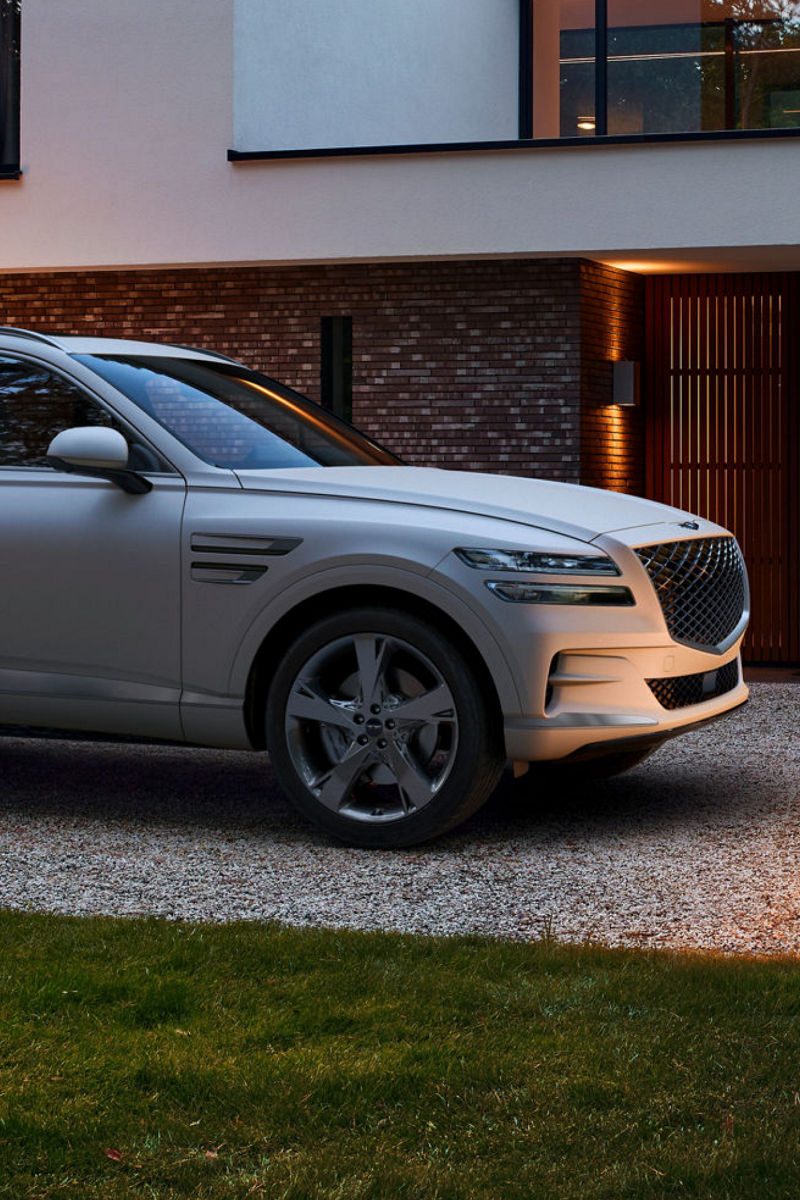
(72, 344)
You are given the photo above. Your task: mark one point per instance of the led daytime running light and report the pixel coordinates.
(560, 593)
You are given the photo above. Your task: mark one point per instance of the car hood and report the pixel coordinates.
(575, 511)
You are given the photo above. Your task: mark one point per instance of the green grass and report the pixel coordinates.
(249, 1061)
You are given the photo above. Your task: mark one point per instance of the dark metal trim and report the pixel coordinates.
(10, 171)
(130, 481)
(630, 139)
(526, 69)
(600, 68)
(730, 73)
(336, 365)
(14, 331)
(208, 543)
(213, 572)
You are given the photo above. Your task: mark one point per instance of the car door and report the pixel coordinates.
(89, 575)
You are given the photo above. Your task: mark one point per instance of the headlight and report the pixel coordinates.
(559, 593)
(539, 561)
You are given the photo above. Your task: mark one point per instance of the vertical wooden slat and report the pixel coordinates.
(718, 383)
(724, 415)
(790, 364)
(685, 473)
(771, 578)
(653, 398)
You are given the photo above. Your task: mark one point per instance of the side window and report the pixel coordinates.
(35, 405)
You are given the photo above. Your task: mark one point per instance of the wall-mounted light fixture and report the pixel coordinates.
(587, 124)
(626, 383)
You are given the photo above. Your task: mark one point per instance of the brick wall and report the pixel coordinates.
(612, 328)
(470, 364)
(484, 365)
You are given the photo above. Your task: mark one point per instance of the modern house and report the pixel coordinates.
(551, 237)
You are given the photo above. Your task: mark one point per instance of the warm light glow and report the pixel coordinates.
(645, 266)
(586, 123)
(615, 421)
(329, 429)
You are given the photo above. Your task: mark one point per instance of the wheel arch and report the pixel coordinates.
(340, 599)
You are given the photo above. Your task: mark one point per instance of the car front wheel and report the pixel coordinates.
(377, 729)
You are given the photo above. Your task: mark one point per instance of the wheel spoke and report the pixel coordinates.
(430, 707)
(415, 787)
(372, 728)
(306, 703)
(332, 787)
(370, 653)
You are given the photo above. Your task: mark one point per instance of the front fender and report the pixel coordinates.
(423, 587)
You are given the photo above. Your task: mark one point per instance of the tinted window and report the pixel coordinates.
(35, 405)
(235, 418)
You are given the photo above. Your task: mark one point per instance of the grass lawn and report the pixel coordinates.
(140, 1058)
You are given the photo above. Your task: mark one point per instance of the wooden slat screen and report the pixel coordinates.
(721, 396)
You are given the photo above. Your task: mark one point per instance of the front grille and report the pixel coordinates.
(701, 584)
(682, 690)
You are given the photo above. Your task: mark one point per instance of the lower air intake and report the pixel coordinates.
(682, 690)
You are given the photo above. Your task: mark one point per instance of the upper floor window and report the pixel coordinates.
(665, 66)
(9, 83)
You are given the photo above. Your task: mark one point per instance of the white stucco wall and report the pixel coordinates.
(128, 114)
(314, 73)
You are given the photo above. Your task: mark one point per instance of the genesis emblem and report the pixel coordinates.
(690, 524)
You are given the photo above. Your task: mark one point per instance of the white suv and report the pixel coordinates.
(193, 552)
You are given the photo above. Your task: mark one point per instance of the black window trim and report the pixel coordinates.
(10, 167)
(525, 140)
(517, 145)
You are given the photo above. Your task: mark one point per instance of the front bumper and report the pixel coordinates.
(598, 703)
(589, 678)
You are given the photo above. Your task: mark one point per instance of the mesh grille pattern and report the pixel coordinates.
(683, 690)
(701, 586)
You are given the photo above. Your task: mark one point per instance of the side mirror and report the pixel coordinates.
(99, 452)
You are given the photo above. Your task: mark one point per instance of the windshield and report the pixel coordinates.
(231, 417)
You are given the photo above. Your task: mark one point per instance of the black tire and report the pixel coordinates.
(377, 729)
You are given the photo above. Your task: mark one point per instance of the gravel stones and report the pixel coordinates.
(698, 847)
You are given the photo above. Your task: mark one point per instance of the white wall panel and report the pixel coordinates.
(322, 73)
(127, 117)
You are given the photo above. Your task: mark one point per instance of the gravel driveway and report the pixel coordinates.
(700, 846)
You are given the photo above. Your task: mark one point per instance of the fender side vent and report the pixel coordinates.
(212, 543)
(209, 572)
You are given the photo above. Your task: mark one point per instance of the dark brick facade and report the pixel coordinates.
(483, 365)
(612, 328)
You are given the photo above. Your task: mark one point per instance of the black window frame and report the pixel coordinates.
(10, 36)
(336, 366)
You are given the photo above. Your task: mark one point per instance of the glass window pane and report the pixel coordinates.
(666, 67)
(766, 69)
(683, 66)
(577, 58)
(35, 405)
(231, 417)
